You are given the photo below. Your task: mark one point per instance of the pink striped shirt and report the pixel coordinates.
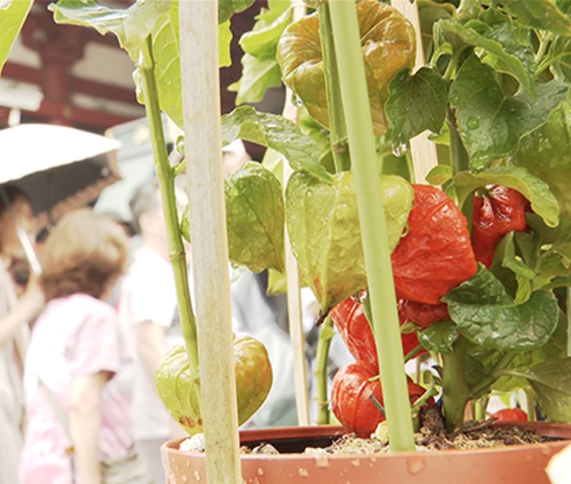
(75, 336)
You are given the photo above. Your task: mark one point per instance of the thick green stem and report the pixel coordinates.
(456, 392)
(165, 176)
(460, 162)
(347, 43)
(337, 127)
(482, 387)
(322, 360)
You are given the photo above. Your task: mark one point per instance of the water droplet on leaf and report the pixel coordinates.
(473, 122)
(400, 150)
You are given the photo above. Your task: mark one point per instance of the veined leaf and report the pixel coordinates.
(498, 37)
(257, 77)
(276, 132)
(255, 217)
(540, 14)
(439, 336)
(158, 18)
(488, 316)
(492, 124)
(131, 25)
(260, 69)
(546, 153)
(543, 202)
(261, 42)
(551, 382)
(523, 361)
(323, 226)
(439, 175)
(12, 16)
(416, 103)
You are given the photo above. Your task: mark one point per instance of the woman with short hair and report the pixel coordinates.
(78, 407)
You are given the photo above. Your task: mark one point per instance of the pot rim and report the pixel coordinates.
(556, 430)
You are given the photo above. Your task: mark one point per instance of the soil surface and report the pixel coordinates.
(476, 435)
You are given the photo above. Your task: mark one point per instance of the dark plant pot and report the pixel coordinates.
(516, 464)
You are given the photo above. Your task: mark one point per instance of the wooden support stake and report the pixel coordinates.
(292, 273)
(201, 106)
(423, 151)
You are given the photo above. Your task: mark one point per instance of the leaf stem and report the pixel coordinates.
(530, 405)
(412, 353)
(368, 190)
(456, 392)
(322, 360)
(431, 392)
(337, 128)
(166, 177)
(481, 388)
(544, 43)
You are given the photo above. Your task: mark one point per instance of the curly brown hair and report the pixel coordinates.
(83, 254)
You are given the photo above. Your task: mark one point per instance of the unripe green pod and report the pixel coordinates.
(180, 393)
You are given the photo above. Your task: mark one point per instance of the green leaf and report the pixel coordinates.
(12, 16)
(439, 337)
(260, 69)
(131, 25)
(261, 42)
(543, 202)
(255, 217)
(515, 264)
(157, 18)
(257, 77)
(523, 361)
(416, 103)
(546, 153)
(323, 226)
(551, 382)
(166, 53)
(226, 8)
(500, 38)
(439, 175)
(559, 58)
(540, 14)
(492, 124)
(488, 316)
(276, 132)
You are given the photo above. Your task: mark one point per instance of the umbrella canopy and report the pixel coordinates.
(59, 167)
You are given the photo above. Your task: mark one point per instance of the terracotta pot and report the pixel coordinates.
(516, 464)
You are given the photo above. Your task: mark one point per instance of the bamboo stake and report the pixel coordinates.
(423, 151)
(292, 274)
(373, 226)
(201, 103)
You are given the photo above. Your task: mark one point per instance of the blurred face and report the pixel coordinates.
(10, 245)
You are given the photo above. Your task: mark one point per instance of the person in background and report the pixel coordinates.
(79, 412)
(147, 306)
(14, 331)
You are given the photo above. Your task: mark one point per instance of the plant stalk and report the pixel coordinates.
(353, 84)
(530, 405)
(456, 392)
(460, 162)
(166, 176)
(481, 388)
(322, 360)
(337, 127)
